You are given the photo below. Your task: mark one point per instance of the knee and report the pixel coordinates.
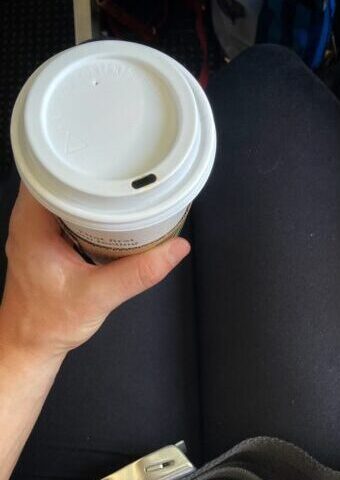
(271, 54)
(269, 106)
(266, 79)
(262, 67)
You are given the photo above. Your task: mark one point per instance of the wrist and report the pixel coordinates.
(28, 375)
(25, 364)
(26, 359)
(21, 354)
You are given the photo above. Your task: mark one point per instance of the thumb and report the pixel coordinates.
(122, 279)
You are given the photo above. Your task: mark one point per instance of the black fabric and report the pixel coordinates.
(31, 32)
(267, 259)
(262, 285)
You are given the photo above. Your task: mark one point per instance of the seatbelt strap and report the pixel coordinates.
(168, 463)
(260, 458)
(264, 458)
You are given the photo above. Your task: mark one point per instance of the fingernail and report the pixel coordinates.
(178, 249)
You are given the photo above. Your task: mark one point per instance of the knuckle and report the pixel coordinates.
(13, 225)
(10, 244)
(149, 273)
(14, 234)
(8, 248)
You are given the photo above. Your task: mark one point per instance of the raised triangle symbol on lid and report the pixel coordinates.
(73, 144)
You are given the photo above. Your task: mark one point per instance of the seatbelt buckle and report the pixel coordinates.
(168, 463)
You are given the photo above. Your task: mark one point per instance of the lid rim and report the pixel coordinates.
(165, 207)
(36, 103)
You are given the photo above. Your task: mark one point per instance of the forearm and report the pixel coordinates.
(25, 380)
(54, 302)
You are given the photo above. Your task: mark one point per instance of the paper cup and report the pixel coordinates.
(116, 139)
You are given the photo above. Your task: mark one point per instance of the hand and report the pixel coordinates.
(53, 300)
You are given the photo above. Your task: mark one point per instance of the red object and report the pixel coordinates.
(119, 17)
(146, 33)
(198, 7)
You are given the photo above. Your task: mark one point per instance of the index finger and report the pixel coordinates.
(33, 216)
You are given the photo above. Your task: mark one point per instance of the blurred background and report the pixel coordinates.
(204, 35)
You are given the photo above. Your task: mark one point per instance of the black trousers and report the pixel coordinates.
(243, 339)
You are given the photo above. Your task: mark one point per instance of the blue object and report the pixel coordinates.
(303, 25)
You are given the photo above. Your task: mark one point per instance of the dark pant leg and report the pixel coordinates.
(267, 251)
(131, 389)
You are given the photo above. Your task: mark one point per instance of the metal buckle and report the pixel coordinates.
(168, 463)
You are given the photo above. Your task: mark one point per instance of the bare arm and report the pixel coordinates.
(54, 302)
(24, 385)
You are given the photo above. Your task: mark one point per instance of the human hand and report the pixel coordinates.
(53, 300)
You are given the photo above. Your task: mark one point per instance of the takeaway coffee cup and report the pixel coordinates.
(116, 139)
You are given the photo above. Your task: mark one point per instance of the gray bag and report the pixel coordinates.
(260, 458)
(265, 458)
(235, 24)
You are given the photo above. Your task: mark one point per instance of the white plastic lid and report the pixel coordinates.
(113, 134)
